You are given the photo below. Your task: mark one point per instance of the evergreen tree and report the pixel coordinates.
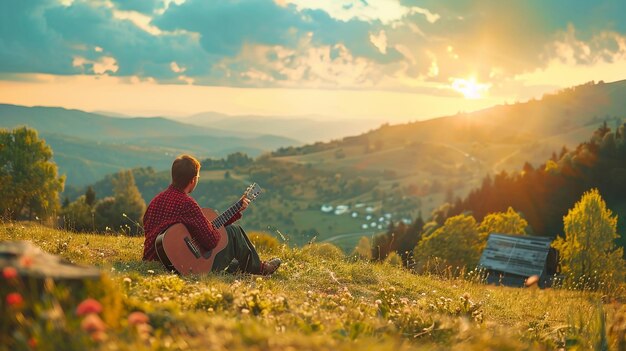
(29, 184)
(90, 196)
(588, 252)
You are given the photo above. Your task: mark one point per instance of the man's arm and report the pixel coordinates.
(200, 228)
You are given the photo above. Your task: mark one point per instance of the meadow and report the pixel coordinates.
(319, 299)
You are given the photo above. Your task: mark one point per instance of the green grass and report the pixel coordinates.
(318, 300)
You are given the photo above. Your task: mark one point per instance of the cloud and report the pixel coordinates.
(100, 66)
(383, 11)
(143, 6)
(225, 26)
(25, 43)
(380, 41)
(404, 45)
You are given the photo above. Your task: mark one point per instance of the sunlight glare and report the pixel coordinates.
(470, 88)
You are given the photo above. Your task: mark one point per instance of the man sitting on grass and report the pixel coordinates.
(174, 205)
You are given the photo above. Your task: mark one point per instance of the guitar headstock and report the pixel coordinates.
(253, 191)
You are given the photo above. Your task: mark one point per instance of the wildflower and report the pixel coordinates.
(92, 324)
(144, 330)
(9, 273)
(245, 311)
(88, 306)
(99, 336)
(14, 299)
(32, 342)
(138, 317)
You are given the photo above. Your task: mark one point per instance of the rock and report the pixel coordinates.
(31, 261)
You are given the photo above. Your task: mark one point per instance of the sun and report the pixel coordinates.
(470, 88)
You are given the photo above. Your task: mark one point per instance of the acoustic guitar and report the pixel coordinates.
(179, 252)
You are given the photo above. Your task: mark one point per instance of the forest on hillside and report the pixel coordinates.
(544, 194)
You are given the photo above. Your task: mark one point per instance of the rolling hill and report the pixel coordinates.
(456, 152)
(88, 146)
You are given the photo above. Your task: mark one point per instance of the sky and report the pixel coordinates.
(391, 60)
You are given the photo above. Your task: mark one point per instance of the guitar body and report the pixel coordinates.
(178, 251)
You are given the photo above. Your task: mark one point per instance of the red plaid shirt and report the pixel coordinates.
(173, 206)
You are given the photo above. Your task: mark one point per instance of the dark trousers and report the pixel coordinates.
(240, 249)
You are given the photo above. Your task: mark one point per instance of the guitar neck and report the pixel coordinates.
(225, 216)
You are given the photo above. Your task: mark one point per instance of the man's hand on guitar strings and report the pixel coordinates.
(244, 203)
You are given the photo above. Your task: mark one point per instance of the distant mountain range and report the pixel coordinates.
(309, 129)
(88, 146)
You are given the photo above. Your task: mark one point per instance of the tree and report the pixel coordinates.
(509, 222)
(78, 215)
(455, 243)
(29, 185)
(588, 251)
(90, 196)
(125, 209)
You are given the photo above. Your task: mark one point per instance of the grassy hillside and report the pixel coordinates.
(318, 300)
(449, 156)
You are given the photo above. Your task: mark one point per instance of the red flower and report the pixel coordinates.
(9, 273)
(88, 306)
(92, 324)
(14, 299)
(137, 318)
(32, 342)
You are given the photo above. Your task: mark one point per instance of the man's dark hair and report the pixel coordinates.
(184, 169)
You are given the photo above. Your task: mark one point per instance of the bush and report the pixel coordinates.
(455, 244)
(264, 242)
(394, 259)
(324, 250)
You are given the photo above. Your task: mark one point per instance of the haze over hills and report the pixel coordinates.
(306, 128)
(99, 127)
(88, 146)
